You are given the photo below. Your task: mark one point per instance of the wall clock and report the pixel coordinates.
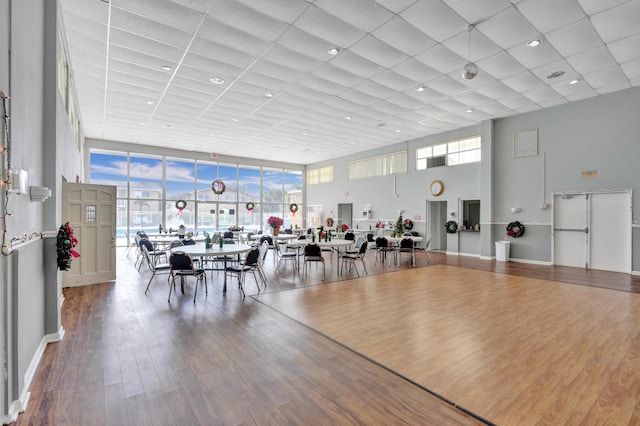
(436, 187)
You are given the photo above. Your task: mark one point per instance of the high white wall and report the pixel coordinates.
(600, 134)
(41, 144)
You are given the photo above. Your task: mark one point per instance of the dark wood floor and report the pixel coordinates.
(131, 358)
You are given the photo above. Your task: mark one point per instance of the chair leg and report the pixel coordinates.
(364, 266)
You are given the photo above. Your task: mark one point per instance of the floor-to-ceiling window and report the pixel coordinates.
(156, 191)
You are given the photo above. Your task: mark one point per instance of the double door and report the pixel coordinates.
(593, 230)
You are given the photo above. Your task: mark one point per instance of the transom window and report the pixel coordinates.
(451, 153)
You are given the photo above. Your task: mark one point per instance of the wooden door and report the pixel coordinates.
(91, 212)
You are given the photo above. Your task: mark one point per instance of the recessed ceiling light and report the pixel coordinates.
(150, 102)
(353, 143)
(166, 67)
(333, 51)
(420, 89)
(234, 119)
(469, 110)
(217, 80)
(347, 117)
(397, 130)
(268, 95)
(556, 74)
(305, 134)
(142, 123)
(168, 126)
(534, 43)
(574, 81)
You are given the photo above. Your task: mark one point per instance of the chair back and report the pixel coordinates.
(142, 234)
(363, 248)
(189, 242)
(381, 242)
(370, 237)
(349, 235)
(180, 261)
(266, 238)
(228, 235)
(407, 234)
(406, 243)
(359, 241)
(175, 243)
(253, 257)
(147, 257)
(301, 237)
(312, 249)
(288, 231)
(146, 243)
(249, 235)
(264, 248)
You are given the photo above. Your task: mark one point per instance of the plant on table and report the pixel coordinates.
(275, 222)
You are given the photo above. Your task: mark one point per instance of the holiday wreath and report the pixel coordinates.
(329, 222)
(249, 206)
(65, 242)
(515, 229)
(451, 226)
(218, 187)
(293, 208)
(408, 224)
(180, 205)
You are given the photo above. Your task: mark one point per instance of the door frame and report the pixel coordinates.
(626, 224)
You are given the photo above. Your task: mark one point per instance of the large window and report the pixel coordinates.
(321, 175)
(149, 187)
(378, 166)
(452, 153)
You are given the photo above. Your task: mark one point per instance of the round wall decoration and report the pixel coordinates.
(515, 229)
(293, 208)
(436, 187)
(408, 224)
(180, 205)
(218, 187)
(250, 206)
(451, 226)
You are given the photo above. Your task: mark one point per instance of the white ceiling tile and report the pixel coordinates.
(283, 10)
(405, 101)
(474, 12)
(534, 57)
(356, 64)
(575, 38)
(442, 59)
(403, 36)
(396, 6)
(549, 15)
(625, 49)
(606, 77)
(501, 65)
(326, 26)
(248, 20)
(618, 22)
(448, 86)
(150, 29)
(496, 109)
(559, 66)
(428, 95)
(435, 19)
(288, 58)
(363, 14)
(594, 6)
(450, 105)
(616, 87)
(582, 95)
(472, 99)
(232, 37)
(378, 52)
(395, 81)
(553, 102)
(416, 70)
(162, 11)
(632, 69)
(508, 28)
(517, 102)
(523, 82)
(542, 94)
(358, 97)
(496, 90)
(592, 60)
(337, 75)
(481, 47)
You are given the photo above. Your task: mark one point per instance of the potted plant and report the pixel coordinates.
(275, 223)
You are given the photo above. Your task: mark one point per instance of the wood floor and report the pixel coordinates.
(133, 359)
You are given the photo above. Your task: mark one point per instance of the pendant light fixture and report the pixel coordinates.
(470, 70)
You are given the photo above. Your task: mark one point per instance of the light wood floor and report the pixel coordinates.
(130, 358)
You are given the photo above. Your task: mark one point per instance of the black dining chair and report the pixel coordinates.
(251, 263)
(351, 258)
(313, 253)
(181, 265)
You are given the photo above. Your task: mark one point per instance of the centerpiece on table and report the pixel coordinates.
(275, 223)
(399, 228)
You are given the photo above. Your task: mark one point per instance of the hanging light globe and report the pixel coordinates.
(469, 71)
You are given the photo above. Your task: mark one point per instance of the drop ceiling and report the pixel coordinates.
(143, 69)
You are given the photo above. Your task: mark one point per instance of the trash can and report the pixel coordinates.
(502, 251)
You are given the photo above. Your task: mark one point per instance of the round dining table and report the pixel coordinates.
(199, 250)
(335, 243)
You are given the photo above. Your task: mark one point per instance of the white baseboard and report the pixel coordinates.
(18, 406)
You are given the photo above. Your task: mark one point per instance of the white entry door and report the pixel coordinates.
(593, 230)
(91, 212)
